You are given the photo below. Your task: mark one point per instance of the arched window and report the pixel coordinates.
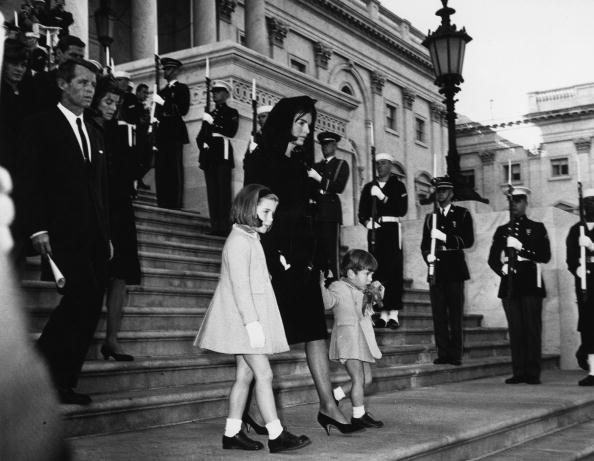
(423, 186)
(346, 88)
(398, 170)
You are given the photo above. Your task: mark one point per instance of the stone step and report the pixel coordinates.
(386, 337)
(180, 249)
(168, 233)
(571, 442)
(183, 220)
(133, 410)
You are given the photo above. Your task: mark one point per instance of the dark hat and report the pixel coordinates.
(328, 136)
(14, 51)
(444, 182)
(170, 62)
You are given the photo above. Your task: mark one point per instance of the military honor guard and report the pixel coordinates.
(518, 250)
(216, 156)
(451, 232)
(171, 137)
(253, 161)
(384, 235)
(330, 177)
(580, 262)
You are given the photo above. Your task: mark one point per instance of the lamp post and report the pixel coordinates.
(446, 46)
(104, 21)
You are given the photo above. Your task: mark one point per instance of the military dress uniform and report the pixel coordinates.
(216, 159)
(328, 215)
(388, 239)
(172, 134)
(522, 301)
(451, 271)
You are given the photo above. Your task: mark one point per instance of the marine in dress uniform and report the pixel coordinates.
(172, 134)
(252, 161)
(453, 233)
(330, 177)
(585, 300)
(216, 156)
(522, 300)
(392, 203)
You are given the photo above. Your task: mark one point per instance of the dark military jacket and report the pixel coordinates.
(536, 249)
(335, 174)
(226, 122)
(396, 205)
(172, 128)
(457, 225)
(585, 300)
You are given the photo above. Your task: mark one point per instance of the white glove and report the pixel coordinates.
(369, 225)
(256, 334)
(580, 272)
(313, 174)
(284, 262)
(377, 192)
(504, 269)
(252, 147)
(586, 241)
(431, 258)
(207, 118)
(438, 235)
(513, 242)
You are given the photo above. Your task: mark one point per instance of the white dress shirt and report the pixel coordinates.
(71, 117)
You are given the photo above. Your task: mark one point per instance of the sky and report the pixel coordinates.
(517, 46)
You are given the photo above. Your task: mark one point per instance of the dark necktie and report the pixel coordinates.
(83, 140)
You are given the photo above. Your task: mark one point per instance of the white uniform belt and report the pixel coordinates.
(131, 132)
(225, 144)
(383, 219)
(519, 259)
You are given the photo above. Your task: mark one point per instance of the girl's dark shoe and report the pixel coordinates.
(366, 421)
(107, 352)
(240, 441)
(251, 424)
(344, 428)
(287, 441)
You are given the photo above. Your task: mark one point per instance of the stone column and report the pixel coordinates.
(143, 15)
(80, 14)
(255, 26)
(378, 81)
(205, 22)
(408, 131)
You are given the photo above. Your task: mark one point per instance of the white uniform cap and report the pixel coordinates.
(121, 74)
(264, 109)
(384, 156)
(221, 84)
(588, 192)
(520, 190)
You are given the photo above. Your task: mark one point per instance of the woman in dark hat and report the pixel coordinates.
(285, 156)
(124, 267)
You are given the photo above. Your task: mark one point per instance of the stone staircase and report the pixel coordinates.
(172, 382)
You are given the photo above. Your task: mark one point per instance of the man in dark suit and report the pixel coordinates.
(525, 244)
(330, 176)
(391, 201)
(452, 234)
(216, 156)
(171, 137)
(62, 195)
(585, 298)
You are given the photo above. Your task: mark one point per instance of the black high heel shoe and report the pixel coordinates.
(250, 423)
(344, 428)
(107, 352)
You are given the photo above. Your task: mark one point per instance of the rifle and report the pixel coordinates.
(156, 100)
(512, 254)
(431, 266)
(372, 233)
(254, 111)
(583, 285)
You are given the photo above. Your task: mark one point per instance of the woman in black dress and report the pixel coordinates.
(283, 160)
(124, 267)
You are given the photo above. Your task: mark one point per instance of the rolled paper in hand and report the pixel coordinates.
(58, 276)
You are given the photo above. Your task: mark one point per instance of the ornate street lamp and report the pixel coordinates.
(446, 46)
(105, 21)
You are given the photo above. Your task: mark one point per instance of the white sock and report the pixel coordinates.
(338, 393)
(394, 315)
(384, 316)
(358, 412)
(232, 427)
(275, 428)
(591, 364)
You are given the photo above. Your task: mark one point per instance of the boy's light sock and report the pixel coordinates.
(384, 316)
(338, 393)
(394, 315)
(591, 364)
(232, 427)
(358, 412)
(275, 428)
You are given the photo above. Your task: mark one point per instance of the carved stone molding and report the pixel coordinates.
(582, 145)
(487, 157)
(534, 152)
(408, 98)
(437, 111)
(226, 9)
(277, 31)
(378, 80)
(323, 54)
